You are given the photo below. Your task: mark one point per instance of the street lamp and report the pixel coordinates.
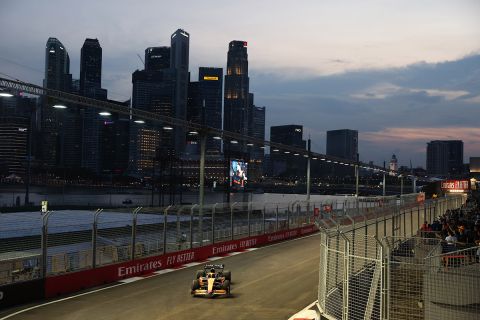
(5, 94)
(105, 113)
(59, 106)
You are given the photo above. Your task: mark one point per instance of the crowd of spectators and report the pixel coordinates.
(459, 228)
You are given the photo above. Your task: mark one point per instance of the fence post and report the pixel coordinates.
(214, 208)
(411, 222)
(249, 209)
(94, 237)
(288, 217)
(179, 237)
(231, 219)
(263, 215)
(44, 242)
(134, 230)
(191, 224)
(276, 218)
(346, 276)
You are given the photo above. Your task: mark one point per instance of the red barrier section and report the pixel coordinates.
(75, 281)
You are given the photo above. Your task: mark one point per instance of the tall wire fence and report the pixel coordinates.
(35, 245)
(385, 267)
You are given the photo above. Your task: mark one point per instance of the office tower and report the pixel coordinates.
(114, 139)
(57, 66)
(157, 58)
(17, 119)
(236, 98)
(287, 164)
(58, 77)
(153, 91)
(343, 144)
(91, 86)
(445, 157)
(210, 88)
(194, 115)
(179, 56)
(257, 130)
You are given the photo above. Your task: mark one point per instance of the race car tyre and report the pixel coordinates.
(226, 286)
(195, 285)
(200, 273)
(227, 275)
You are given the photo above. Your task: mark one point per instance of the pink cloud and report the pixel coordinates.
(413, 137)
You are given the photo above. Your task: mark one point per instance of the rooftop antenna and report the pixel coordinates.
(143, 62)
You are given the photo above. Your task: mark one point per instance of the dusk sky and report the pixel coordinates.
(401, 72)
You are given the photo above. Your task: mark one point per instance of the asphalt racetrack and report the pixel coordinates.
(269, 283)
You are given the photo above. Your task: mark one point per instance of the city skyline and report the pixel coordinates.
(322, 100)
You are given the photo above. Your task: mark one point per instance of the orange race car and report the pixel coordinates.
(212, 281)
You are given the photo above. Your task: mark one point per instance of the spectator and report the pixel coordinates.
(451, 238)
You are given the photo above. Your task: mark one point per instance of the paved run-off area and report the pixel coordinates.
(272, 282)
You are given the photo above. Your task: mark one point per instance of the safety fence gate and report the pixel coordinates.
(381, 268)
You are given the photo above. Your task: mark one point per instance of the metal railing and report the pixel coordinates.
(382, 268)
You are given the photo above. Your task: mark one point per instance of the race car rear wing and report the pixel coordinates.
(215, 266)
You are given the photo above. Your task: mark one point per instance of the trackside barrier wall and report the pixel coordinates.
(75, 281)
(381, 268)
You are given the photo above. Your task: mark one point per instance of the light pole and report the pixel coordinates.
(401, 184)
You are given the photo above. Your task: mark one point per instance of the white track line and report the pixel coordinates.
(133, 279)
(159, 272)
(191, 264)
(125, 283)
(210, 259)
(59, 300)
(309, 307)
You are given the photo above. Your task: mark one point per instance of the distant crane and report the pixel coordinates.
(143, 62)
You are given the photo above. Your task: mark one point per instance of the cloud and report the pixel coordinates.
(413, 140)
(385, 90)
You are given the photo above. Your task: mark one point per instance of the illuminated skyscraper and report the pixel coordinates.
(179, 56)
(157, 58)
(236, 98)
(210, 88)
(58, 77)
(91, 86)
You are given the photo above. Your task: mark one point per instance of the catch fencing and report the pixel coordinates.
(35, 245)
(384, 268)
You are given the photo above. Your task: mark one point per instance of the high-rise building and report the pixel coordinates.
(194, 115)
(17, 118)
(257, 130)
(90, 67)
(236, 97)
(287, 164)
(445, 157)
(53, 128)
(57, 66)
(157, 58)
(114, 139)
(153, 91)
(91, 86)
(343, 144)
(210, 87)
(179, 57)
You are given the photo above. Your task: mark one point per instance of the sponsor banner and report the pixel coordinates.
(21, 292)
(80, 280)
(455, 185)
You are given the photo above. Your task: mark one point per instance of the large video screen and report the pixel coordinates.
(238, 174)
